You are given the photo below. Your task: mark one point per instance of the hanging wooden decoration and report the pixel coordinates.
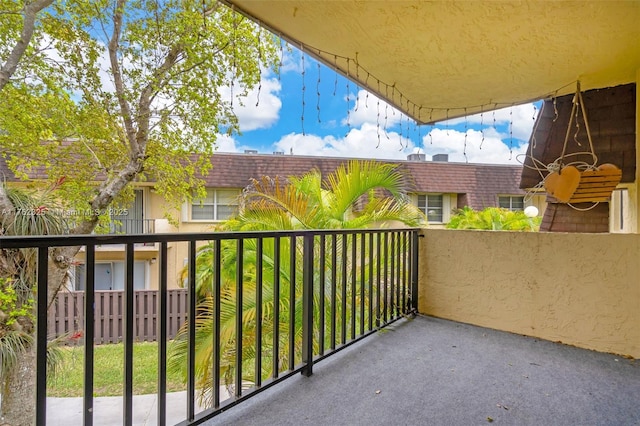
(562, 184)
(580, 182)
(597, 185)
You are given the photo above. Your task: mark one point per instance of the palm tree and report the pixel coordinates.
(35, 214)
(359, 194)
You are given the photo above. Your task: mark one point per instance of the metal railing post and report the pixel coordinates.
(191, 331)
(129, 321)
(307, 305)
(162, 336)
(41, 337)
(89, 333)
(415, 245)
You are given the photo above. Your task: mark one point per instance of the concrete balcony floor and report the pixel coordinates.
(429, 371)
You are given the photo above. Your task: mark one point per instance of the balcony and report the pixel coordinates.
(429, 371)
(132, 226)
(577, 289)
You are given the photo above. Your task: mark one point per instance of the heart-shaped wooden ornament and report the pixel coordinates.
(562, 184)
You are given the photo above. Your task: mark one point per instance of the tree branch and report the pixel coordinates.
(117, 75)
(148, 94)
(10, 66)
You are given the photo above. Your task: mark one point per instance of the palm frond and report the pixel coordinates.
(354, 179)
(13, 345)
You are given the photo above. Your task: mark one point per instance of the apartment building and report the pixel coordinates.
(437, 187)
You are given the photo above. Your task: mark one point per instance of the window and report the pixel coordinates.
(111, 276)
(432, 206)
(511, 203)
(219, 204)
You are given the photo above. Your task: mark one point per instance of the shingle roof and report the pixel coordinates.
(480, 182)
(477, 184)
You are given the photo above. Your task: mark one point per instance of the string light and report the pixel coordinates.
(510, 133)
(233, 50)
(408, 121)
(404, 103)
(400, 134)
(366, 98)
(386, 118)
(431, 127)
(357, 87)
(318, 94)
(335, 66)
(494, 118)
(464, 150)
(303, 89)
(259, 67)
(447, 122)
(481, 127)
(409, 105)
(533, 135)
(348, 98)
(401, 115)
(408, 129)
(378, 115)
(281, 58)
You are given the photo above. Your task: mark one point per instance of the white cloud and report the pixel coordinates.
(520, 118)
(255, 111)
(370, 109)
(226, 143)
(259, 111)
(481, 147)
(364, 142)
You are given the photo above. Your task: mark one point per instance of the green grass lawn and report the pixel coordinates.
(109, 370)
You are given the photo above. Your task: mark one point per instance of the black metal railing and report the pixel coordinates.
(272, 304)
(122, 226)
(132, 226)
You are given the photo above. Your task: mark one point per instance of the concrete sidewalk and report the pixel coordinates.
(108, 411)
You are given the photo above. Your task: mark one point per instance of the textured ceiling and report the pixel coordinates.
(444, 59)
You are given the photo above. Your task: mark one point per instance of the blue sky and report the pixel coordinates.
(345, 121)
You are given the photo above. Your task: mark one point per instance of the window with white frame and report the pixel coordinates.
(432, 205)
(510, 202)
(219, 204)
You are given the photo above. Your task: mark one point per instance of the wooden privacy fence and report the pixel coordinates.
(66, 315)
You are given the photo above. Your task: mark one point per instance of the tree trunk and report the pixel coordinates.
(18, 398)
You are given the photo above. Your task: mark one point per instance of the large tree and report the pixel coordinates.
(359, 194)
(101, 94)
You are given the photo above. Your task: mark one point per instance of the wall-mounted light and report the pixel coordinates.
(531, 211)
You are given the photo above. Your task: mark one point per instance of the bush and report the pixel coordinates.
(493, 219)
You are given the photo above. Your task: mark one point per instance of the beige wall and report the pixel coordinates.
(581, 289)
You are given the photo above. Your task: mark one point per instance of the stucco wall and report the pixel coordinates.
(580, 289)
